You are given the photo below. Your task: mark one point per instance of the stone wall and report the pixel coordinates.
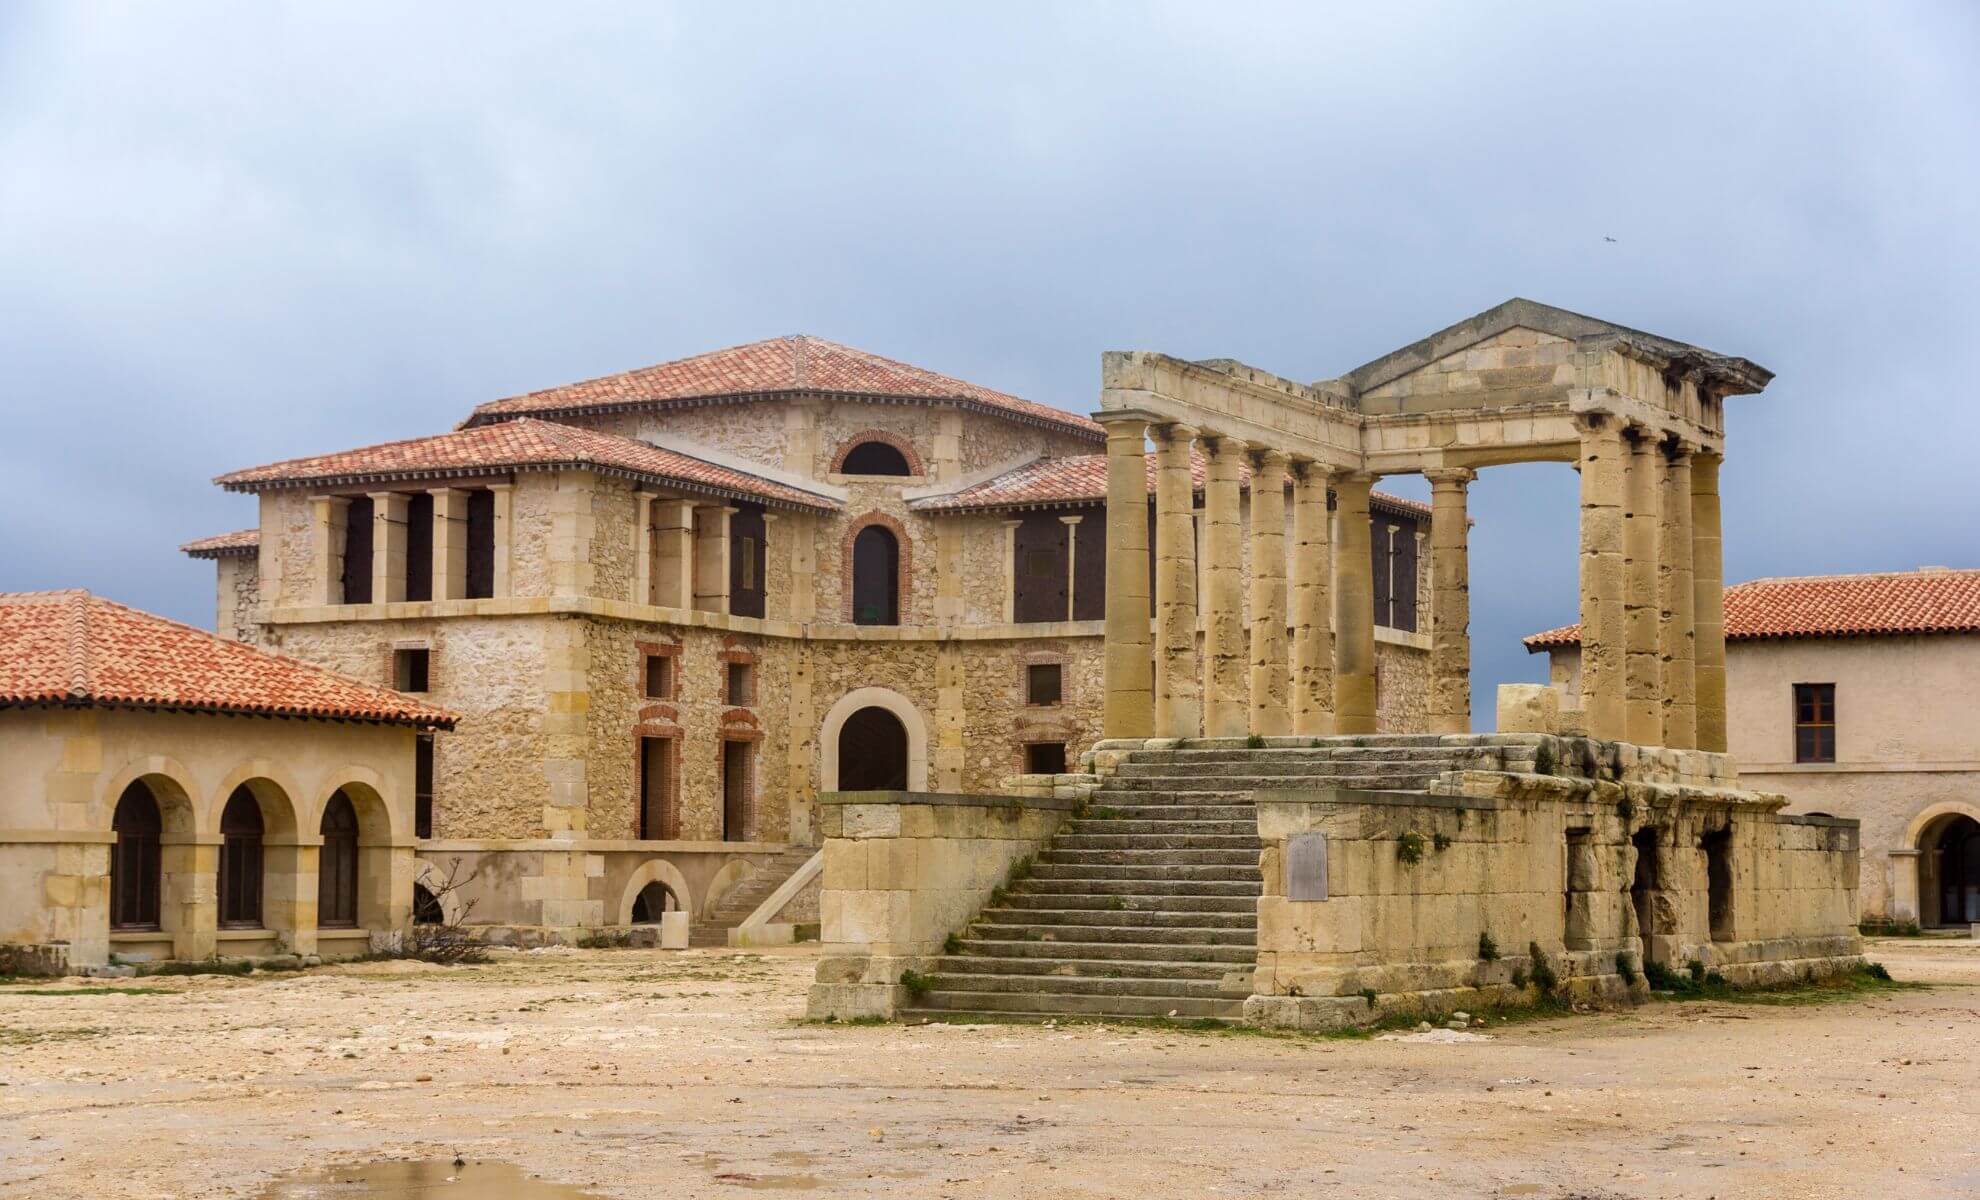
(1384, 902)
(903, 871)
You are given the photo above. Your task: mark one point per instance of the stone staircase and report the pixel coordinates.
(746, 897)
(1146, 904)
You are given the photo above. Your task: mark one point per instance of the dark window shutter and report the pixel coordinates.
(419, 546)
(357, 551)
(1041, 580)
(480, 544)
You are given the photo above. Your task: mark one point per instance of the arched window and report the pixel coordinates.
(873, 752)
(426, 907)
(134, 860)
(337, 865)
(875, 458)
(876, 564)
(653, 899)
(240, 861)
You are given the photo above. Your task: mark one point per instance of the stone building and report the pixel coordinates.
(672, 606)
(172, 794)
(1855, 695)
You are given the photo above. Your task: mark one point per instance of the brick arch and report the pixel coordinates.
(905, 572)
(895, 440)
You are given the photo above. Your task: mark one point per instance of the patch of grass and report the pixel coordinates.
(209, 966)
(1883, 927)
(1369, 994)
(1626, 967)
(1869, 979)
(1440, 842)
(952, 944)
(1409, 848)
(1488, 950)
(1254, 742)
(36, 1037)
(1019, 872)
(917, 984)
(1543, 759)
(106, 990)
(1542, 971)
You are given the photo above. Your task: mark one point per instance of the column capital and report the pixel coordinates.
(1450, 477)
(1312, 469)
(1217, 443)
(1174, 431)
(1262, 455)
(1072, 520)
(1125, 422)
(1678, 447)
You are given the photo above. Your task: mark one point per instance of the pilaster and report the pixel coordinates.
(388, 547)
(449, 543)
(711, 557)
(673, 554)
(504, 496)
(642, 588)
(327, 551)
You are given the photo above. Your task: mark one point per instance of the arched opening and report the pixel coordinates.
(337, 865)
(653, 899)
(241, 830)
(136, 860)
(873, 752)
(426, 907)
(875, 458)
(876, 564)
(1952, 851)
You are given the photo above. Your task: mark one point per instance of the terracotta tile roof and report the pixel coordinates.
(74, 649)
(1082, 478)
(521, 445)
(777, 365)
(1935, 600)
(222, 545)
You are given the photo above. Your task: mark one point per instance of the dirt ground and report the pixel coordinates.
(643, 1073)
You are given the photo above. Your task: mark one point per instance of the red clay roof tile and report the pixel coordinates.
(71, 648)
(798, 363)
(1817, 606)
(523, 444)
(222, 545)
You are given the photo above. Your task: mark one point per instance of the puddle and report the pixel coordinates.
(432, 1180)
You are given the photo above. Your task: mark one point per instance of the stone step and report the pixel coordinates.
(1129, 811)
(1235, 785)
(1129, 888)
(1172, 935)
(1149, 955)
(1077, 965)
(1246, 869)
(1321, 754)
(1050, 1005)
(1073, 856)
(1182, 841)
(1245, 907)
(1081, 985)
(1254, 769)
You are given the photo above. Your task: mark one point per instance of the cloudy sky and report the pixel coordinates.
(233, 233)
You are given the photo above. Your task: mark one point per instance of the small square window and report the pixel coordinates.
(659, 677)
(1042, 683)
(410, 668)
(1045, 758)
(742, 684)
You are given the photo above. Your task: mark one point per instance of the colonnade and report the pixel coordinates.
(1652, 612)
(1304, 662)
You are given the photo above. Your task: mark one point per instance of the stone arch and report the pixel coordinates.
(171, 785)
(904, 565)
(1922, 839)
(1933, 816)
(873, 697)
(885, 438)
(366, 789)
(273, 788)
(185, 904)
(384, 893)
(655, 870)
(428, 875)
(732, 873)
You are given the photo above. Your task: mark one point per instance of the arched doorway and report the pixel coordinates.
(337, 865)
(654, 899)
(136, 859)
(241, 832)
(876, 564)
(1954, 852)
(873, 752)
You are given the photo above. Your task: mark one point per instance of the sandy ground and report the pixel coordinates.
(641, 1073)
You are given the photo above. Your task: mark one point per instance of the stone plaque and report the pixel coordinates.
(1306, 866)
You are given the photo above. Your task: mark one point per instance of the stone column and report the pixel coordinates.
(711, 557)
(388, 547)
(1178, 678)
(504, 495)
(1354, 607)
(1450, 601)
(1709, 602)
(1072, 564)
(1130, 669)
(1602, 496)
(642, 588)
(1225, 688)
(449, 543)
(1270, 711)
(328, 537)
(1643, 682)
(1010, 571)
(804, 568)
(1677, 633)
(1312, 620)
(673, 553)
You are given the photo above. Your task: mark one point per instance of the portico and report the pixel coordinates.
(1640, 417)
